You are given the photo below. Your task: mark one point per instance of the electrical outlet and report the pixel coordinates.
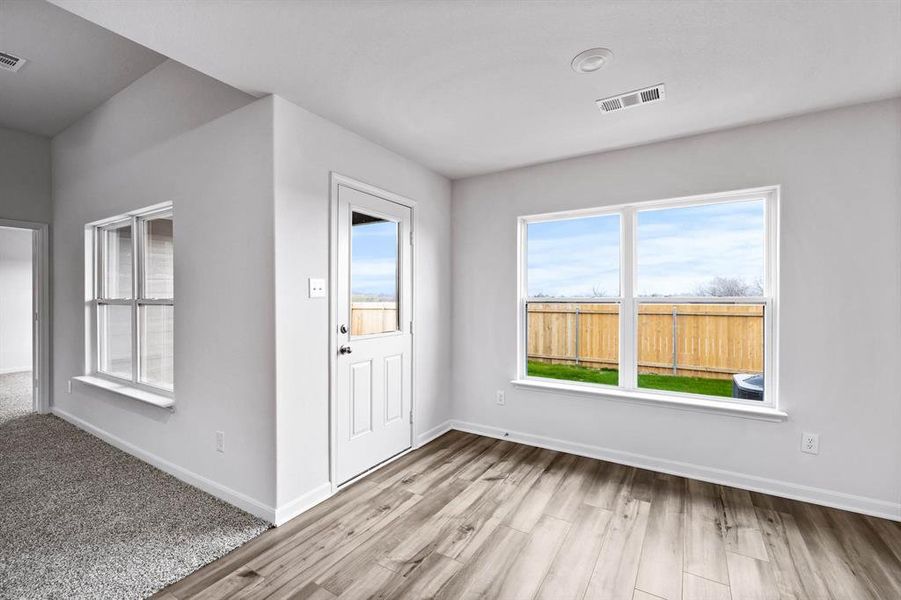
(810, 443)
(500, 398)
(220, 441)
(317, 288)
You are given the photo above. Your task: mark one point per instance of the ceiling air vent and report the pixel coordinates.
(636, 98)
(8, 62)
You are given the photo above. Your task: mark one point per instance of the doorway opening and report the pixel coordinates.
(17, 393)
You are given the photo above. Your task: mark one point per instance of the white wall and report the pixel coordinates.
(15, 300)
(24, 177)
(840, 349)
(307, 149)
(178, 135)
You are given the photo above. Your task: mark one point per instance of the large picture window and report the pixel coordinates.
(133, 300)
(673, 298)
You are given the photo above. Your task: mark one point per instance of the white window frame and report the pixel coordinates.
(628, 302)
(94, 284)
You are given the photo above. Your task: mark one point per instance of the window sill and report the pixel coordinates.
(128, 391)
(761, 413)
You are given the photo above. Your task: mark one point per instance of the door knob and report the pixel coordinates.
(345, 350)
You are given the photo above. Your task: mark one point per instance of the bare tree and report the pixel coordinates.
(731, 287)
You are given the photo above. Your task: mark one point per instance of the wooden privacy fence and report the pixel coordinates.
(372, 317)
(697, 340)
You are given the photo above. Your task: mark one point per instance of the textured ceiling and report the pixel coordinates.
(472, 87)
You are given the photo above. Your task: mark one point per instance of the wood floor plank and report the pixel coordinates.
(313, 557)
(344, 573)
(369, 583)
(640, 595)
(751, 579)
(569, 495)
(610, 485)
(574, 564)
(483, 576)
(591, 529)
(698, 588)
(532, 563)
(317, 517)
(660, 567)
(529, 511)
(741, 531)
(872, 559)
(705, 550)
(797, 575)
(311, 591)
(504, 483)
(617, 566)
(828, 552)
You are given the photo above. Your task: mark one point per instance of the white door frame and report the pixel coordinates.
(336, 179)
(40, 310)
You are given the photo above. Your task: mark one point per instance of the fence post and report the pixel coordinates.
(675, 342)
(578, 330)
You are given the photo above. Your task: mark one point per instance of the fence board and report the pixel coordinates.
(711, 340)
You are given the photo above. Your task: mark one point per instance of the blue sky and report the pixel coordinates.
(679, 250)
(374, 259)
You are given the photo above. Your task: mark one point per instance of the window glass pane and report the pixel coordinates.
(710, 349)
(574, 258)
(709, 250)
(157, 327)
(158, 258)
(373, 275)
(114, 322)
(574, 342)
(116, 253)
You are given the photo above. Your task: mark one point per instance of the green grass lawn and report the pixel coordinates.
(692, 385)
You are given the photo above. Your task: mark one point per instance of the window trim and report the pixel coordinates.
(629, 305)
(94, 287)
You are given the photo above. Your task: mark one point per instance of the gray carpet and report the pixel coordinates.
(81, 519)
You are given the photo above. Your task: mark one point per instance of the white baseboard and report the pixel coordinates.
(775, 487)
(11, 370)
(303, 503)
(427, 436)
(242, 501)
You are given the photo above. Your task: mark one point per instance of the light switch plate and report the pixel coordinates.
(317, 288)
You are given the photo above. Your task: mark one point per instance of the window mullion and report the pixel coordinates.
(628, 326)
(136, 291)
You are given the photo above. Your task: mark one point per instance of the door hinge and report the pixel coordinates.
(411, 326)
(411, 417)
(411, 238)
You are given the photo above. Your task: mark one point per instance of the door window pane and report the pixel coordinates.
(706, 250)
(373, 275)
(158, 258)
(115, 339)
(157, 326)
(116, 253)
(710, 349)
(574, 342)
(574, 258)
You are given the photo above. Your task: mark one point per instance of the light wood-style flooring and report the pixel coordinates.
(473, 517)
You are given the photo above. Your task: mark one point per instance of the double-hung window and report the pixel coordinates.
(666, 299)
(133, 303)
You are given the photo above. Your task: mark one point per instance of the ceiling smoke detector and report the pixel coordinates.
(632, 99)
(8, 62)
(592, 60)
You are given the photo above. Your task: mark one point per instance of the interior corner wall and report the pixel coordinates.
(177, 135)
(307, 149)
(840, 306)
(24, 177)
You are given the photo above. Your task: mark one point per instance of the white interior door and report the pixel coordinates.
(374, 341)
